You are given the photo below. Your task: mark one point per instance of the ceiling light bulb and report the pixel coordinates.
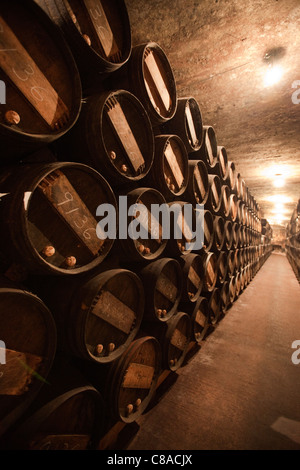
(273, 75)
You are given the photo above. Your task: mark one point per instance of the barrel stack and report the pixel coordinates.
(292, 244)
(88, 121)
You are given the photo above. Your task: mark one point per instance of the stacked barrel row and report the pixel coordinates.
(292, 244)
(88, 120)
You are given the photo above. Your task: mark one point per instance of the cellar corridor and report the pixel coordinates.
(241, 390)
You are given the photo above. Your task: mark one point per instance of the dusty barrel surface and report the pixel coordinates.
(149, 76)
(209, 148)
(169, 172)
(198, 186)
(214, 305)
(209, 262)
(131, 380)
(162, 280)
(145, 239)
(219, 233)
(114, 135)
(97, 315)
(184, 235)
(43, 88)
(174, 336)
(200, 317)
(214, 199)
(186, 123)
(68, 414)
(193, 273)
(98, 33)
(29, 334)
(49, 217)
(222, 158)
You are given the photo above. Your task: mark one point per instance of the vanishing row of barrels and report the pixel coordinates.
(292, 243)
(108, 314)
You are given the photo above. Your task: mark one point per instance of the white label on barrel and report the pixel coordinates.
(166, 287)
(148, 221)
(199, 181)
(179, 340)
(110, 309)
(173, 164)
(200, 319)
(124, 133)
(155, 76)
(60, 442)
(28, 78)
(190, 123)
(138, 376)
(64, 198)
(16, 374)
(102, 27)
(194, 278)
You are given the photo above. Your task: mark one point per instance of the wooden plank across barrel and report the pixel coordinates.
(43, 88)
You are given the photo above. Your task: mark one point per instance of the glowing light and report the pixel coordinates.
(279, 198)
(273, 75)
(279, 182)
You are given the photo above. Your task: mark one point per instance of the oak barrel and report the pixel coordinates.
(97, 32)
(149, 76)
(170, 171)
(197, 189)
(29, 335)
(208, 151)
(97, 315)
(145, 239)
(67, 414)
(193, 273)
(113, 135)
(214, 305)
(214, 199)
(200, 317)
(49, 217)
(43, 88)
(162, 280)
(186, 123)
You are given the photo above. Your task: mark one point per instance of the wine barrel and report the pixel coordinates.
(225, 300)
(208, 151)
(219, 234)
(28, 334)
(221, 267)
(200, 318)
(232, 289)
(149, 76)
(222, 158)
(129, 383)
(144, 239)
(241, 187)
(184, 241)
(174, 337)
(43, 88)
(67, 414)
(232, 176)
(97, 315)
(214, 305)
(186, 123)
(208, 231)
(98, 34)
(192, 270)
(236, 235)
(214, 199)
(228, 235)
(233, 207)
(170, 171)
(241, 212)
(162, 280)
(237, 284)
(209, 261)
(49, 217)
(231, 262)
(197, 188)
(113, 135)
(225, 196)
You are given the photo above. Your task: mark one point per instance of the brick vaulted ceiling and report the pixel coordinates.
(216, 49)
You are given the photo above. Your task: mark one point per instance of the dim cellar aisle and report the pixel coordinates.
(241, 391)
